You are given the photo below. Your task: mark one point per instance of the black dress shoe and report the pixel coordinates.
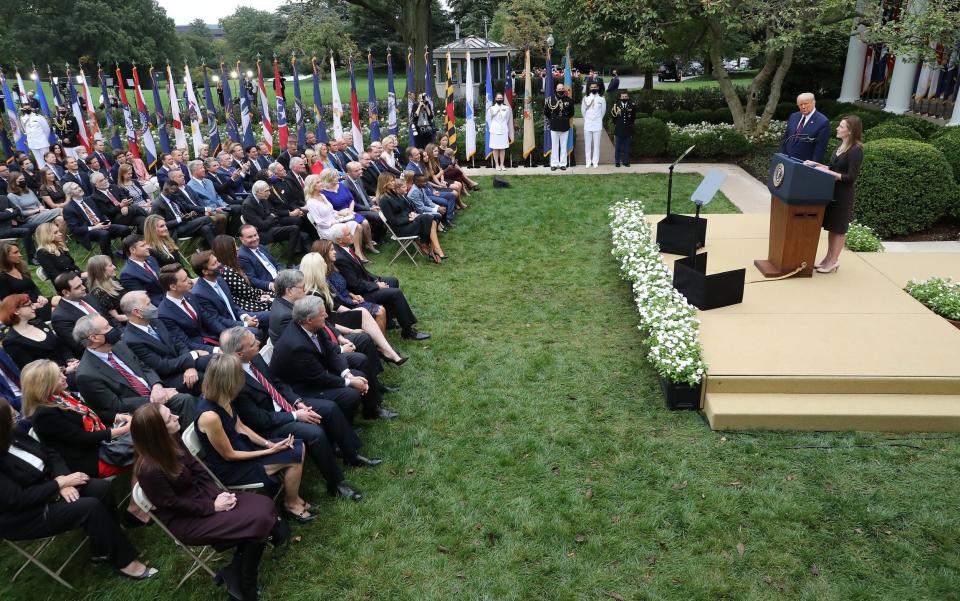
(553, 168)
(563, 167)
(384, 413)
(385, 388)
(344, 490)
(361, 461)
(415, 335)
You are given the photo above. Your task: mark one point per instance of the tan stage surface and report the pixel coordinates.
(843, 351)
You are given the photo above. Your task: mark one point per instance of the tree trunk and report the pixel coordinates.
(648, 78)
(415, 29)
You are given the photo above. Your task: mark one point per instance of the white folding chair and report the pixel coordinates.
(201, 556)
(405, 242)
(267, 352)
(191, 440)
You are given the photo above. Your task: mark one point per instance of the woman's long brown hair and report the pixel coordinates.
(153, 443)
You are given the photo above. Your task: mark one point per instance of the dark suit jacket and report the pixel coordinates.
(80, 178)
(8, 217)
(65, 316)
(810, 143)
(359, 280)
(284, 159)
(262, 162)
(369, 180)
(307, 369)
(294, 191)
(77, 220)
(168, 356)
(254, 405)
(134, 277)
(227, 187)
(281, 314)
(185, 330)
(213, 312)
(63, 432)
(105, 205)
(258, 214)
(105, 390)
(24, 487)
(361, 198)
(254, 269)
(163, 208)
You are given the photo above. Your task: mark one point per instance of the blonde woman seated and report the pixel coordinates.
(163, 247)
(237, 454)
(324, 216)
(53, 254)
(342, 200)
(102, 283)
(315, 267)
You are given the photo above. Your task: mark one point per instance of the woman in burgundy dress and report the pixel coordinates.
(196, 510)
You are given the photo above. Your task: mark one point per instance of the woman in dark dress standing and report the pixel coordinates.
(845, 168)
(189, 502)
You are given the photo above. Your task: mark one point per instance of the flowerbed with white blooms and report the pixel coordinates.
(668, 320)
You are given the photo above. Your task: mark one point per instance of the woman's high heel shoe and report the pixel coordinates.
(828, 268)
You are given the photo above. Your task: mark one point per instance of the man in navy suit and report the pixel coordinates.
(259, 162)
(808, 131)
(228, 180)
(183, 219)
(87, 223)
(142, 272)
(217, 306)
(180, 311)
(118, 159)
(73, 174)
(166, 165)
(74, 304)
(180, 162)
(255, 260)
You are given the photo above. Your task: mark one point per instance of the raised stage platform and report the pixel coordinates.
(843, 351)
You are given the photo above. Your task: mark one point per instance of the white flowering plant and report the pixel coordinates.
(668, 320)
(940, 295)
(773, 132)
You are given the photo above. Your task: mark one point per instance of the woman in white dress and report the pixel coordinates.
(498, 120)
(319, 210)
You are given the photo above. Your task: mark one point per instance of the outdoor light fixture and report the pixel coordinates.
(215, 78)
(249, 74)
(550, 40)
(234, 75)
(79, 79)
(33, 76)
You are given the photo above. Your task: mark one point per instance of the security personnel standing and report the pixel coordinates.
(624, 113)
(558, 111)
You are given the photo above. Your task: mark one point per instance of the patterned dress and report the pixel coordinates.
(244, 293)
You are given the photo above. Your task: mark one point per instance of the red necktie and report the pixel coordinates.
(134, 382)
(86, 307)
(189, 310)
(91, 216)
(333, 337)
(800, 125)
(273, 392)
(354, 255)
(146, 267)
(112, 198)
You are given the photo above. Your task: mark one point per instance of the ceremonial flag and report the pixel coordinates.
(529, 131)
(132, 145)
(471, 141)
(428, 87)
(355, 112)
(245, 122)
(54, 90)
(508, 99)
(411, 92)
(547, 94)
(5, 143)
(451, 120)
(44, 106)
(335, 100)
(21, 89)
(16, 128)
(229, 117)
(373, 116)
(149, 147)
(213, 128)
(92, 123)
(568, 84)
(487, 151)
(179, 137)
(391, 97)
(108, 109)
(318, 104)
(298, 106)
(283, 132)
(78, 113)
(264, 110)
(193, 111)
(158, 113)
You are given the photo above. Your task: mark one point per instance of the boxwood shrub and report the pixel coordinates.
(650, 138)
(891, 130)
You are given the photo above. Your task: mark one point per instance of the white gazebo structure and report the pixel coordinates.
(478, 49)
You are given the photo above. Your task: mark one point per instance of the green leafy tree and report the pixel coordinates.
(470, 15)
(311, 31)
(523, 23)
(249, 31)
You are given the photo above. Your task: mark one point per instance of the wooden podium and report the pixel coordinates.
(800, 194)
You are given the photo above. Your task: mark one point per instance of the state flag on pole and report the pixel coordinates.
(411, 92)
(108, 109)
(179, 136)
(264, 110)
(568, 84)
(529, 131)
(231, 119)
(298, 106)
(21, 89)
(470, 143)
(451, 119)
(44, 105)
(93, 127)
(355, 112)
(132, 144)
(246, 124)
(54, 90)
(428, 87)
(548, 93)
(391, 97)
(283, 131)
(78, 113)
(335, 103)
(16, 128)
(487, 151)
(193, 111)
(372, 115)
(318, 104)
(213, 128)
(149, 146)
(158, 114)
(508, 99)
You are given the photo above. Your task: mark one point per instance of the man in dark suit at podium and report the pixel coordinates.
(808, 131)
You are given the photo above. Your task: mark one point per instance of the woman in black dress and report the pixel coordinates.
(248, 297)
(15, 279)
(404, 221)
(163, 248)
(104, 286)
(50, 192)
(845, 168)
(53, 254)
(29, 339)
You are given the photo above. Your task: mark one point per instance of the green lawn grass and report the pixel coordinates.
(740, 78)
(534, 458)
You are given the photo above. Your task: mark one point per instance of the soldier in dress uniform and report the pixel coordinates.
(558, 110)
(624, 113)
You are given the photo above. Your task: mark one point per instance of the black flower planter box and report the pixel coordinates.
(680, 396)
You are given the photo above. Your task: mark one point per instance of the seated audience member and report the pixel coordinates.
(103, 285)
(247, 296)
(434, 173)
(237, 454)
(141, 272)
(270, 408)
(72, 427)
(308, 357)
(370, 168)
(10, 381)
(323, 159)
(133, 189)
(342, 200)
(288, 286)
(180, 311)
(392, 157)
(336, 157)
(291, 151)
(51, 192)
(227, 179)
(314, 268)
(87, 224)
(319, 210)
(257, 213)
(296, 173)
(217, 307)
(15, 279)
(191, 207)
(363, 202)
(183, 218)
(255, 260)
(423, 202)
(32, 211)
(161, 246)
(33, 481)
(193, 507)
(113, 380)
(404, 220)
(73, 174)
(29, 339)
(375, 289)
(206, 193)
(53, 254)
(12, 225)
(152, 343)
(451, 170)
(115, 204)
(342, 299)
(74, 303)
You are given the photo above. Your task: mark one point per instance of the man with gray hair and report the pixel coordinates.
(115, 203)
(112, 379)
(257, 213)
(273, 410)
(808, 131)
(294, 181)
(308, 357)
